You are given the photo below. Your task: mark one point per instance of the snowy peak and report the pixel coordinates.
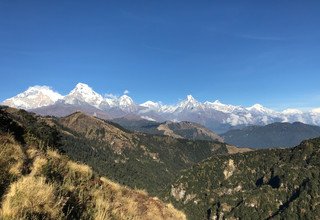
(126, 103)
(258, 108)
(83, 93)
(82, 88)
(34, 97)
(217, 105)
(217, 102)
(189, 103)
(188, 109)
(191, 99)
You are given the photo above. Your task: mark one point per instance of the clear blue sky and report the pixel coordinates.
(240, 52)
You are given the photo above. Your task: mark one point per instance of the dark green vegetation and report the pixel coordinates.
(197, 176)
(272, 135)
(141, 161)
(264, 184)
(37, 182)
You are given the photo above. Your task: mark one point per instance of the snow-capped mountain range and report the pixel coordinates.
(214, 115)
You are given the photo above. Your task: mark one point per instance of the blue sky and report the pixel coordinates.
(240, 52)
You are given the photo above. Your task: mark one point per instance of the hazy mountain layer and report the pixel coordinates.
(187, 130)
(272, 135)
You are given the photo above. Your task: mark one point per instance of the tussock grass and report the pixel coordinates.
(11, 155)
(79, 171)
(57, 188)
(31, 197)
(53, 154)
(11, 161)
(113, 201)
(32, 152)
(38, 164)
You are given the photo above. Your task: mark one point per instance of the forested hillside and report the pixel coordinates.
(37, 181)
(263, 184)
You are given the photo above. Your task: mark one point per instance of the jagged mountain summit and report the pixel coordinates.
(215, 115)
(83, 93)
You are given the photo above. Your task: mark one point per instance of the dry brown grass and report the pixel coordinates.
(113, 201)
(11, 155)
(31, 197)
(38, 165)
(79, 171)
(235, 150)
(32, 152)
(53, 154)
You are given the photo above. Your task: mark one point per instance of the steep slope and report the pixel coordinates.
(263, 184)
(272, 135)
(137, 160)
(187, 130)
(37, 182)
(96, 129)
(142, 161)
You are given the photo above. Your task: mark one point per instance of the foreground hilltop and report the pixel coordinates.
(38, 182)
(262, 184)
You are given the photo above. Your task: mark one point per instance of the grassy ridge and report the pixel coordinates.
(142, 161)
(38, 182)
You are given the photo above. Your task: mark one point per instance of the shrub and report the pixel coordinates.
(113, 201)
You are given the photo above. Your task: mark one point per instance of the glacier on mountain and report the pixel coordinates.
(214, 115)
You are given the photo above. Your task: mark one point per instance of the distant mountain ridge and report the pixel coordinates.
(184, 129)
(272, 135)
(215, 115)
